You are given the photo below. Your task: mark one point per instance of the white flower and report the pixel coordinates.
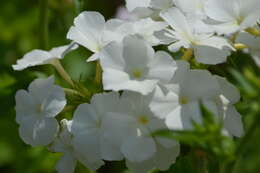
(93, 32)
(131, 128)
(208, 49)
(36, 111)
(180, 105)
(87, 128)
(63, 144)
(133, 65)
(41, 57)
(253, 45)
(231, 117)
(233, 15)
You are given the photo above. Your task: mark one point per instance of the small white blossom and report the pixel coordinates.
(253, 45)
(181, 104)
(131, 128)
(36, 110)
(208, 49)
(41, 57)
(88, 130)
(93, 32)
(133, 65)
(233, 15)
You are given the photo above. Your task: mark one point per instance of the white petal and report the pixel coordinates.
(210, 55)
(50, 97)
(174, 119)
(233, 122)
(200, 84)
(138, 149)
(37, 132)
(88, 30)
(161, 105)
(176, 19)
(162, 67)
(136, 52)
(220, 10)
(87, 146)
(66, 164)
(132, 4)
(33, 58)
(24, 103)
(165, 157)
(228, 90)
(59, 52)
(117, 80)
(111, 56)
(85, 118)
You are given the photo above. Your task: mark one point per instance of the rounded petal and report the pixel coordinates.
(228, 90)
(161, 104)
(162, 67)
(210, 55)
(66, 164)
(199, 84)
(33, 58)
(233, 122)
(24, 103)
(138, 149)
(111, 56)
(50, 97)
(37, 132)
(88, 30)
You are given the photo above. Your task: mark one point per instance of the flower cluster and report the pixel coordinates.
(144, 90)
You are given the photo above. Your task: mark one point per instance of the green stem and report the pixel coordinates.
(98, 77)
(44, 33)
(56, 63)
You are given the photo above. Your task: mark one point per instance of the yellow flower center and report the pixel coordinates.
(183, 100)
(143, 120)
(137, 73)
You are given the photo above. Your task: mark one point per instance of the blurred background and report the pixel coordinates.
(22, 28)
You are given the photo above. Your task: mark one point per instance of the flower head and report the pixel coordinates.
(36, 110)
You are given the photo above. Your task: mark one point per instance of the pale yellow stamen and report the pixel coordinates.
(143, 120)
(137, 73)
(183, 100)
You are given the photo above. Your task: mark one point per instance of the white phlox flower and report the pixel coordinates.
(253, 45)
(180, 106)
(88, 130)
(93, 32)
(63, 144)
(208, 49)
(133, 65)
(41, 57)
(230, 95)
(131, 129)
(231, 16)
(148, 8)
(36, 110)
